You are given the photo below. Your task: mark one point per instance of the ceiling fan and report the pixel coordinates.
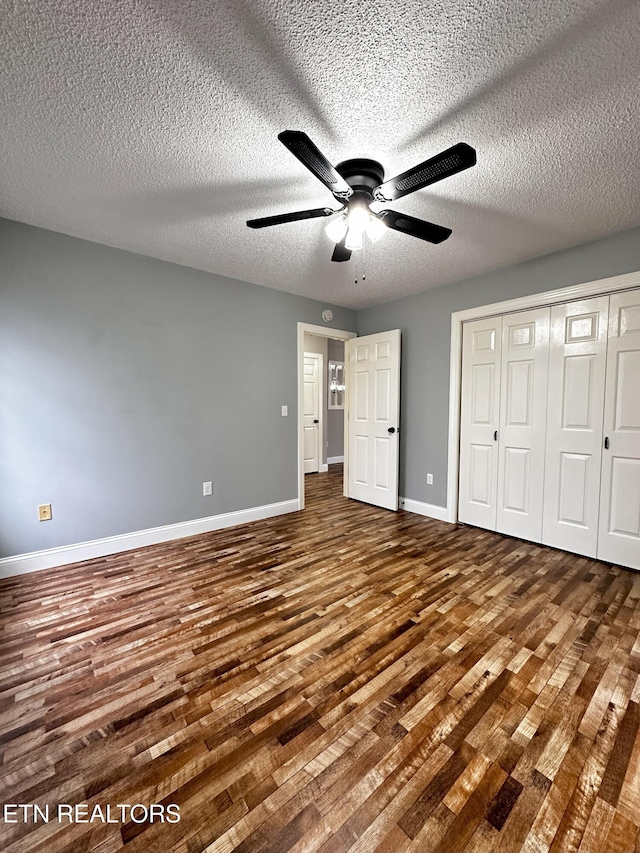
(359, 183)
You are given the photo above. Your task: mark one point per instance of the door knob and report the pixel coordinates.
(316, 421)
(391, 430)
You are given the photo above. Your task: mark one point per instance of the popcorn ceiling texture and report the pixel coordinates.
(151, 125)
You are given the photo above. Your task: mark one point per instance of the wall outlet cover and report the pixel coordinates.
(207, 488)
(44, 512)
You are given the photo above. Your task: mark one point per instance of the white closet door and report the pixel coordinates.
(619, 533)
(577, 362)
(480, 409)
(523, 417)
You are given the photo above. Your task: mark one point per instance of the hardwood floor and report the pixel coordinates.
(342, 679)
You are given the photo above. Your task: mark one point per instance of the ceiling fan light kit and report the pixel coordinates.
(375, 228)
(359, 183)
(337, 228)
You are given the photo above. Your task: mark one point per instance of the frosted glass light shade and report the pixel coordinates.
(375, 228)
(354, 239)
(336, 229)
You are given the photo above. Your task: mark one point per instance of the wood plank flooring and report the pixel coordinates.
(342, 680)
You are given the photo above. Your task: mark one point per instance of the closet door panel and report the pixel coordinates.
(619, 529)
(516, 479)
(481, 344)
(577, 362)
(521, 434)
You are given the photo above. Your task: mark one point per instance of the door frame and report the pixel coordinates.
(599, 287)
(336, 335)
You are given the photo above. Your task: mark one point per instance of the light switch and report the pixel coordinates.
(285, 411)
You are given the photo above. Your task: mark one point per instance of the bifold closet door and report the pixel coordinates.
(523, 416)
(479, 416)
(577, 363)
(619, 528)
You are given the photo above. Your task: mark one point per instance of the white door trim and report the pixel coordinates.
(321, 332)
(628, 281)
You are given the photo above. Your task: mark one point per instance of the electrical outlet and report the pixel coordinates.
(429, 479)
(44, 512)
(207, 488)
(285, 411)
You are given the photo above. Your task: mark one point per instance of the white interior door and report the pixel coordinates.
(577, 362)
(619, 528)
(523, 418)
(312, 396)
(373, 389)
(480, 412)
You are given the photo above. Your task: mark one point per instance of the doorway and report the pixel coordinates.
(371, 411)
(325, 342)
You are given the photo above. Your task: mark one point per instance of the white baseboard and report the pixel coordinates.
(36, 560)
(324, 467)
(333, 460)
(420, 508)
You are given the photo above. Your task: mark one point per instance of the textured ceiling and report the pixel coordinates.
(151, 125)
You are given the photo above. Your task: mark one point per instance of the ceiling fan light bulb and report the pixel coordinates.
(336, 229)
(353, 239)
(358, 218)
(375, 228)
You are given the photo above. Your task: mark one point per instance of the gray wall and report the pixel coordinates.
(425, 321)
(125, 382)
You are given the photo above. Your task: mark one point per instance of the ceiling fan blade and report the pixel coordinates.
(443, 165)
(266, 221)
(414, 227)
(310, 156)
(340, 252)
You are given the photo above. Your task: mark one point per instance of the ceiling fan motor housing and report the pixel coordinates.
(363, 176)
